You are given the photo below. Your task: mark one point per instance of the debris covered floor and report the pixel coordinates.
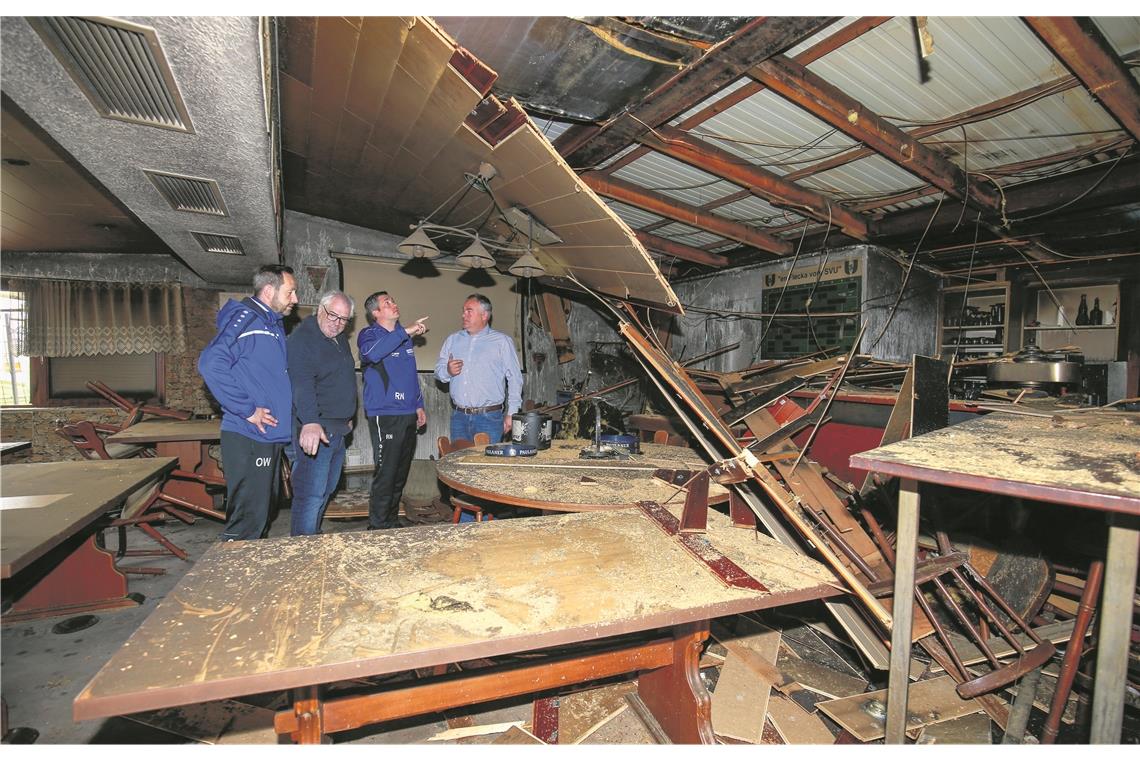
(777, 677)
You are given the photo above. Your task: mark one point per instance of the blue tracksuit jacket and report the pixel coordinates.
(245, 366)
(394, 349)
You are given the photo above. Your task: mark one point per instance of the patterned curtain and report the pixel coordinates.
(68, 318)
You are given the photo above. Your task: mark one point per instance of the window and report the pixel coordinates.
(61, 381)
(15, 371)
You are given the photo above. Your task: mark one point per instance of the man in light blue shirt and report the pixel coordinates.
(475, 362)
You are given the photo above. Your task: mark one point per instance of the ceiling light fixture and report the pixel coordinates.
(476, 256)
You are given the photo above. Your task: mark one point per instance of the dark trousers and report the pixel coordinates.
(393, 446)
(251, 469)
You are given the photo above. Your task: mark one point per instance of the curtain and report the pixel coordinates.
(69, 318)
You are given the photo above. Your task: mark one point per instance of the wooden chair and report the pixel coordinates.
(134, 411)
(87, 438)
(446, 446)
(148, 504)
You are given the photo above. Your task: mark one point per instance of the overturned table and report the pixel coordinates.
(299, 613)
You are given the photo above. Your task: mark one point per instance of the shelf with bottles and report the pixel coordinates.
(1086, 317)
(974, 319)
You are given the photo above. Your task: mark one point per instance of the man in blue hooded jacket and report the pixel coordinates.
(246, 368)
(392, 401)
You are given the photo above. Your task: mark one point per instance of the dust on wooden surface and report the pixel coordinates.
(555, 476)
(382, 601)
(1094, 453)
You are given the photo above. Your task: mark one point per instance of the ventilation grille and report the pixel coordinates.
(119, 66)
(212, 243)
(200, 196)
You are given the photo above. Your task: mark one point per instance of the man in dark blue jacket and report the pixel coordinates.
(323, 372)
(392, 401)
(246, 368)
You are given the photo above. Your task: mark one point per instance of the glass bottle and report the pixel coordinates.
(1096, 316)
(1083, 312)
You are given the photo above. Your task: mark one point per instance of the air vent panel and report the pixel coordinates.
(194, 194)
(119, 66)
(213, 243)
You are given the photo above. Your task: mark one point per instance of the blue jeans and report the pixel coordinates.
(465, 426)
(314, 480)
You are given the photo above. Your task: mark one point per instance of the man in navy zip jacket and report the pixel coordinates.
(323, 372)
(392, 401)
(246, 368)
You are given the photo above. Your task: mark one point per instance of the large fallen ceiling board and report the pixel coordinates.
(230, 143)
(432, 148)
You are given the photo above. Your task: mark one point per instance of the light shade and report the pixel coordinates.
(418, 245)
(475, 256)
(527, 266)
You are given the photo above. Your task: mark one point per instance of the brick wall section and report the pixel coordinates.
(184, 390)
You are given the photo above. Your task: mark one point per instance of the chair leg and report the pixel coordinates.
(163, 540)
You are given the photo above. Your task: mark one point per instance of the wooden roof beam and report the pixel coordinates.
(1085, 51)
(724, 63)
(852, 31)
(760, 182)
(683, 212)
(823, 100)
(680, 250)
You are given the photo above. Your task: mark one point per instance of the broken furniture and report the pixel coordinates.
(49, 560)
(556, 480)
(189, 441)
(1083, 459)
(135, 412)
(89, 439)
(382, 602)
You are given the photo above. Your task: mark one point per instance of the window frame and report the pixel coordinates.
(40, 382)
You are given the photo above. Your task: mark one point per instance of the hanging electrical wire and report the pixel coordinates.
(906, 276)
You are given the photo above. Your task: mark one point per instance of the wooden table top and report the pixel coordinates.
(255, 616)
(162, 430)
(552, 479)
(1087, 459)
(45, 504)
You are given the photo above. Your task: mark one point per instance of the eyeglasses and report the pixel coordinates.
(335, 317)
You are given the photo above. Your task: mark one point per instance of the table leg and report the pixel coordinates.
(906, 550)
(1115, 628)
(193, 456)
(310, 715)
(85, 580)
(675, 694)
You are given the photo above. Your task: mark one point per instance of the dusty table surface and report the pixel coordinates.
(44, 504)
(155, 431)
(255, 616)
(553, 478)
(1089, 459)
(8, 447)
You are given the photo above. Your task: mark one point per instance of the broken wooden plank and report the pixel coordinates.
(583, 712)
(463, 732)
(740, 700)
(795, 724)
(517, 735)
(969, 729)
(929, 702)
(820, 679)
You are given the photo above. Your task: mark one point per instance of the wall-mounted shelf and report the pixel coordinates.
(979, 311)
(1097, 342)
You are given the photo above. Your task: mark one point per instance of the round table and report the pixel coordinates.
(556, 480)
